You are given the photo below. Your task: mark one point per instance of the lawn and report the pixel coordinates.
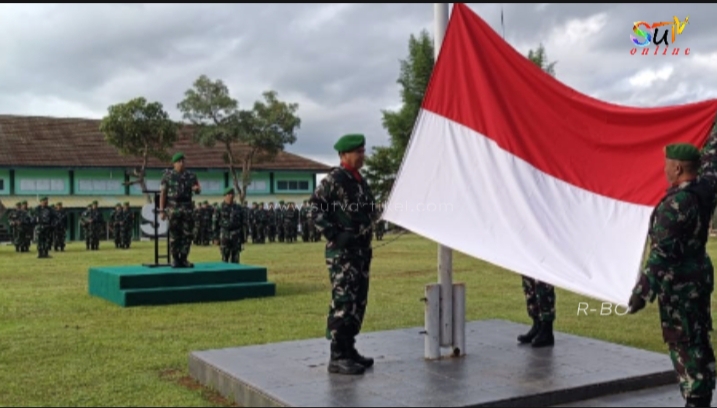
(61, 347)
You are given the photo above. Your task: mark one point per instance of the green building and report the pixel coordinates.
(69, 161)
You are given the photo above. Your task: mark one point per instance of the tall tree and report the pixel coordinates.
(540, 58)
(140, 129)
(415, 73)
(248, 136)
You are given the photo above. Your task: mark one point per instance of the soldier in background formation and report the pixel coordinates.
(202, 214)
(60, 228)
(44, 218)
(44, 222)
(22, 223)
(122, 221)
(228, 226)
(92, 221)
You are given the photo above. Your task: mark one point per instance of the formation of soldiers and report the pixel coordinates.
(283, 223)
(44, 224)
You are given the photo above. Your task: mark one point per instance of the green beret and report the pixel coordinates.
(177, 157)
(17, 204)
(229, 190)
(58, 203)
(24, 202)
(95, 202)
(682, 152)
(281, 202)
(351, 142)
(126, 203)
(44, 199)
(118, 205)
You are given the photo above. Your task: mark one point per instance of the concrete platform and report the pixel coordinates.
(665, 396)
(496, 371)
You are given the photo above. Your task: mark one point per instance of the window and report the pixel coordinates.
(42, 185)
(256, 185)
(2, 184)
(99, 185)
(292, 185)
(212, 186)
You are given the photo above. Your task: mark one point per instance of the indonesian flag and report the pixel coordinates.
(509, 165)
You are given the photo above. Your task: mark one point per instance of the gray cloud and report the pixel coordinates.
(340, 62)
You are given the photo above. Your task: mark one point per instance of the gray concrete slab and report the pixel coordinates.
(496, 371)
(665, 396)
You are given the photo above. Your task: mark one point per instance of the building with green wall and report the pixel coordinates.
(69, 161)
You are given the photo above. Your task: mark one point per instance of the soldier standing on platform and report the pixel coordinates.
(178, 186)
(44, 223)
(60, 228)
(227, 225)
(343, 209)
(126, 226)
(115, 222)
(679, 272)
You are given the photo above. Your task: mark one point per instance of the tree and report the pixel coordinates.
(415, 73)
(248, 136)
(140, 129)
(540, 58)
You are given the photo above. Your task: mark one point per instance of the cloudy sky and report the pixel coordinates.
(340, 62)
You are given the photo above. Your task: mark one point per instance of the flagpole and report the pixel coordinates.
(445, 254)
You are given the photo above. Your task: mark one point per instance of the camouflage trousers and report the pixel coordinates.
(289, 231)
(349, 275)
(181, 230)
(117, 233)
(694, 363)
(126, 234)
(44, 238)
(59, 237)
(94, 233)
(540, 299)
(230, 245)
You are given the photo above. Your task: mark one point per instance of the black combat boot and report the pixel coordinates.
(699, 401)
(225, 258)
(545, 337)
(176, 261)
(528, 337)
(185, 262)
(235, 257)
(366, 362)
(341, 362)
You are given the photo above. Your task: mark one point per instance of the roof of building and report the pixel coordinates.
(32, 141)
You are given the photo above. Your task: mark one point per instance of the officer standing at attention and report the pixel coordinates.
(679, 272)
(343, 209)
(540, 302)
(45, 220)
(175, 202)
(227, 226)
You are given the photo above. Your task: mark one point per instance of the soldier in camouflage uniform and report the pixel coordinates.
(207, 216)
(178, 186)
(246, 228)
(540, 302)
(96, 221)
(44, 225)
(380, 225)
(227, 224)
(291, 223)
(271, 223)
(343, 208)
(679, 272)
(197, 216)
(27, 228)
(126, 226)
(14, 224)
(85, 225)
(304, 221)
(60, 228)
(280, 212)
(116, 218)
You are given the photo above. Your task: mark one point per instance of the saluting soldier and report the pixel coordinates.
(227, 226)
(343, 208)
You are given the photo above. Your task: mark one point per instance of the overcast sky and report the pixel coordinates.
(339, 62)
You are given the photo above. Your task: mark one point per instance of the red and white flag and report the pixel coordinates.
(508, 165)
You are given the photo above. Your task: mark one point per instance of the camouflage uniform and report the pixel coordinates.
(679, 273)
(44, 222)
(343, 208)
(178, 187)
(60, 228)
(27, 226)
(96, 221)
(291, 221)
(227, 224)
(13, 221)
(271, 223)
(206, 227)
(540, 302)
(304, 221)
(280, 230)
(126, 226)
(116, 218)
(380, 224)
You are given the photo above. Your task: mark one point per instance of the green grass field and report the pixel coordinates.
(61, 347)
